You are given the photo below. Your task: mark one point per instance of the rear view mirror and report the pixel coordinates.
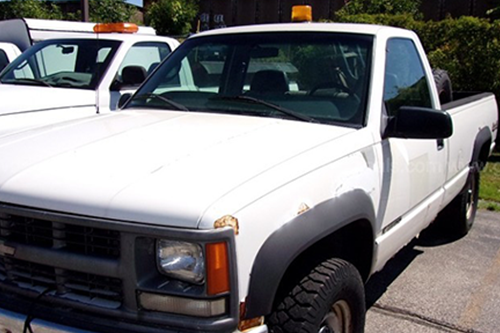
(66, 49)
(420, 123)
(264, 52)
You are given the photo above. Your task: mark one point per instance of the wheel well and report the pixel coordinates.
(483, 156)
(353, 243)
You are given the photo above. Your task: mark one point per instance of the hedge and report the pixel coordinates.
(467, 47)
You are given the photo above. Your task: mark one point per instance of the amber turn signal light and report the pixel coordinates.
(217, 268)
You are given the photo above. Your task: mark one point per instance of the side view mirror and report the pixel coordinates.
(420, 123)
(123, 99)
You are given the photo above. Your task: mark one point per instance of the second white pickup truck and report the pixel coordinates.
(256, 193)
(86, 71)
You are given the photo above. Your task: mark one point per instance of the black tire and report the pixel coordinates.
(458, 217)
(330, 298)
(443, 85)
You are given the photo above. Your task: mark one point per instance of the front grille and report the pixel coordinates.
(82, 287)
(49, 234)
(86, 272)
(68, 239)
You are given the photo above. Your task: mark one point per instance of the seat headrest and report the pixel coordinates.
(269, 81)
(133, 75)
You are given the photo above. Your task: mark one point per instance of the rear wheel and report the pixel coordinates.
(330, 299)
(458, 217)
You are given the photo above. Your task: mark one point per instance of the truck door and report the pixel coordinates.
(414, 170)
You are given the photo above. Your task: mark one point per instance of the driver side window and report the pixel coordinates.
(405, 81)
(57, 58)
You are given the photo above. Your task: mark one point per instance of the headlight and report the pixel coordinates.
(181, 260)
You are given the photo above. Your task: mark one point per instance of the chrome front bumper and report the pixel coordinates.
(11, 322)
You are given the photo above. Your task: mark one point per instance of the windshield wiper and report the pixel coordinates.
(163, 99)
(26, 79)
(275, 107)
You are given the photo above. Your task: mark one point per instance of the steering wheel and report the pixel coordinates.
(330, 84)
(69, 78)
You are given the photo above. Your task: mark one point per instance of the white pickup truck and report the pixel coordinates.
(252, 183)
(79, 74)
(8, 52)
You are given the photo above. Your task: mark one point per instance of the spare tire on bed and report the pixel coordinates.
(443, 85)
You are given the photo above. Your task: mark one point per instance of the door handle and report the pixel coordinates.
(440, 144)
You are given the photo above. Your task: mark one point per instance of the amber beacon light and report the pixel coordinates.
(302, 13)
(129, 28)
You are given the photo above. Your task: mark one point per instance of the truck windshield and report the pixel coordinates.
(67, 63)
(316, 77)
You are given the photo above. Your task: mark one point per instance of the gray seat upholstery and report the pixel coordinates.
(269, 82)
(133, 75)
(152, 67)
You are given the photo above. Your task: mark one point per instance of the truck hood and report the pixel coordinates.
(21, 98)
(158, 167)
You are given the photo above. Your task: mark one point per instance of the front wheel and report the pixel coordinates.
(330, 299)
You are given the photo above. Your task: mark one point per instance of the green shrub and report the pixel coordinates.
(470, 53)
(392, 7)
(467, 47)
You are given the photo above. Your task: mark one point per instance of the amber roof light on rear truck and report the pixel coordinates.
(129, 28)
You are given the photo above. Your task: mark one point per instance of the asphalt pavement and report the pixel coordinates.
(436, 284)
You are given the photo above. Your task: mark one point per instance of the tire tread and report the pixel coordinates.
(298, 310)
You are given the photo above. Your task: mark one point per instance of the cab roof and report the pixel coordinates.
(367, 29)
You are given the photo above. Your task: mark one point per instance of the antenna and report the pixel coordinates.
(97, 105)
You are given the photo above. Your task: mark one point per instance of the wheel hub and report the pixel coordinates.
(470, 201)
(338, 319)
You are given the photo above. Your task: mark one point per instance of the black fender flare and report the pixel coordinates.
(482, 138)
(288, 242)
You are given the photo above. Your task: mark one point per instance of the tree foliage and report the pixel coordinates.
(466, 47)
(29, 9)
(172, 17)
(494, 12)
(107, 11)
(99, 11)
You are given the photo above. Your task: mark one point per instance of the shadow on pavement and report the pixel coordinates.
(380, 281)
(378, 284)
(436, 235)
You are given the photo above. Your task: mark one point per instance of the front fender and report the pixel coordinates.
(293, 238)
